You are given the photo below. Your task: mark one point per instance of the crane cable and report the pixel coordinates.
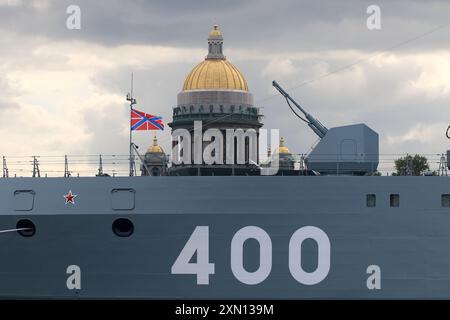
(299, 116)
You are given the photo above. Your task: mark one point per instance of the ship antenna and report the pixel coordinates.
(36, 171)
(66, 168)
(100, 168)
(132, 102)
(5, 168)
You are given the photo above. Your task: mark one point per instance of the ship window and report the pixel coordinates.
(123, 227)
(395, 200)
(371, 200)
(26, 228)
(445, 200)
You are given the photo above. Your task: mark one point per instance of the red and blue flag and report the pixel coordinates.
(145, 121)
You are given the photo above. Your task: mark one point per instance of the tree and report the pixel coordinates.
(410, 165)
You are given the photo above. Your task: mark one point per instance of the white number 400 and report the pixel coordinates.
(199, 243)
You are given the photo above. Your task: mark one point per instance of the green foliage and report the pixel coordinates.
(417, 165)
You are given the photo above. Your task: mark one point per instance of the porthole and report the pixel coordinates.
(123, 227)
(26, 228)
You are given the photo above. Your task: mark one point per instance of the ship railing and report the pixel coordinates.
(118, 165)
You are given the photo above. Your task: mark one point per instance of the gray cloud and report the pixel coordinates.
(261, 24)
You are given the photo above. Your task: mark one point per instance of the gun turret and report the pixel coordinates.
(313, 123)
(351, 149)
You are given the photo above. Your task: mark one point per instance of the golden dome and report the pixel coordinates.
(282, 149)
(215, 74)
(215, 31)
(155, 148)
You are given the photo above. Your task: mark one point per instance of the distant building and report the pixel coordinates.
(285, 157)
(286, 161)
(155, 161)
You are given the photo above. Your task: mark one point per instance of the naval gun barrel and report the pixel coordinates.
(313, 123)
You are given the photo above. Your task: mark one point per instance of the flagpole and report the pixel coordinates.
(132, 102)
(131, 131)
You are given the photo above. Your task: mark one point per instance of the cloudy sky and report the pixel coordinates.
(62, 91)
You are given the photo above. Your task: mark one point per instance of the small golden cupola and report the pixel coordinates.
(215, 32)
(282, 149)
(155, 147)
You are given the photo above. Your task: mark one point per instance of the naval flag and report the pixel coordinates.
(145, 121)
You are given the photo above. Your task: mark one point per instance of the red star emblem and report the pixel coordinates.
(70, 197)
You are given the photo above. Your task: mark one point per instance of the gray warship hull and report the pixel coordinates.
(410, 244)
